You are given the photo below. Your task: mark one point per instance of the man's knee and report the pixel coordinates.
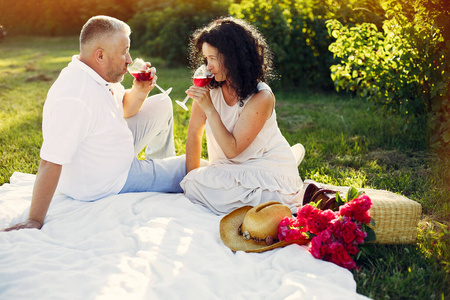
(158, 107)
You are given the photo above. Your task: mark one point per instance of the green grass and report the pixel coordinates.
(346, 144)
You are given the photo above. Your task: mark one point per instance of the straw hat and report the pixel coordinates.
(255, 229)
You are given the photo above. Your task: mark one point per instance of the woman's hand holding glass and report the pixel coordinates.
(202, 77)
(201, 96)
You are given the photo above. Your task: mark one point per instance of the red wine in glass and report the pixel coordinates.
(202, 81)
(202, 77)
(138, 69)
(142, 76)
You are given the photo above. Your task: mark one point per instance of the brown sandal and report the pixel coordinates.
(325, 197)
(311, 189)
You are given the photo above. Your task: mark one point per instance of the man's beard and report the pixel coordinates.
(113, 75)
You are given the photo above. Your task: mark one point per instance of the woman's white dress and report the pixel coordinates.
(265, 171)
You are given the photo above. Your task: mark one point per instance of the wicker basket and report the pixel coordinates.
(396, 217)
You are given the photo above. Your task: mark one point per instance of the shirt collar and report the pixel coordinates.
(76, 62)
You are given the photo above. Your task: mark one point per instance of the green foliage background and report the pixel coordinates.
(296, 31)
(402, 69)
(58, 17)
(163, 29)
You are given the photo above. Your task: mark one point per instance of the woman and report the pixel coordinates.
(250, 160)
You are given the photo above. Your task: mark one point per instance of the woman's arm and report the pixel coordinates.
(250, 122)
(194, 137)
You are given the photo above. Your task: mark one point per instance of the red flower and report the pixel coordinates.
(316, 247)
(363, 217)
(340, 256)
(307, 211)
(348, 232)
(352, 248)
(320, 244)
(364, 202)
(360, 235)
(291, 229)
(320, 221)
(357, 209)
(337, 234)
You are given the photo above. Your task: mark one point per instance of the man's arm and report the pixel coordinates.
(135, 97)
(44, 188)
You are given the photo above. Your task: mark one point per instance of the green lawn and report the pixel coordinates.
(346, 144)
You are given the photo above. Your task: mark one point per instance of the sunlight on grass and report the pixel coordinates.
(58, 60)
(344, 177)
(434, 238)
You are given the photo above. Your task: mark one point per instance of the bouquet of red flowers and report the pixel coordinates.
(335, 235)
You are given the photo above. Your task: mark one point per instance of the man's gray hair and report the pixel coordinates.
(99, 26)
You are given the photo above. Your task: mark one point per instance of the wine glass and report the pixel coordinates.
(202, 77)
(139, 70)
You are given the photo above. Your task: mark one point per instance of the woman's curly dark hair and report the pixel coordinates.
(247, 56)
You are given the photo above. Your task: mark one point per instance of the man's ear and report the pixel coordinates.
(99, 56)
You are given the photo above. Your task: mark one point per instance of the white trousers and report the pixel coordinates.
(152, 127)
(161, 171)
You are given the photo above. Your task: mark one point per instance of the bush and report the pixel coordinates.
(163, 30)
(403, 69)
(297, 34)
(295, 30)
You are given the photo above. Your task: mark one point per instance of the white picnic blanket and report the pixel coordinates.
(146, 246)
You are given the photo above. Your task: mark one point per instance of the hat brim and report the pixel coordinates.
(229, 233)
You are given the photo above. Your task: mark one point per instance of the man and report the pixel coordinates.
(93, 128)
